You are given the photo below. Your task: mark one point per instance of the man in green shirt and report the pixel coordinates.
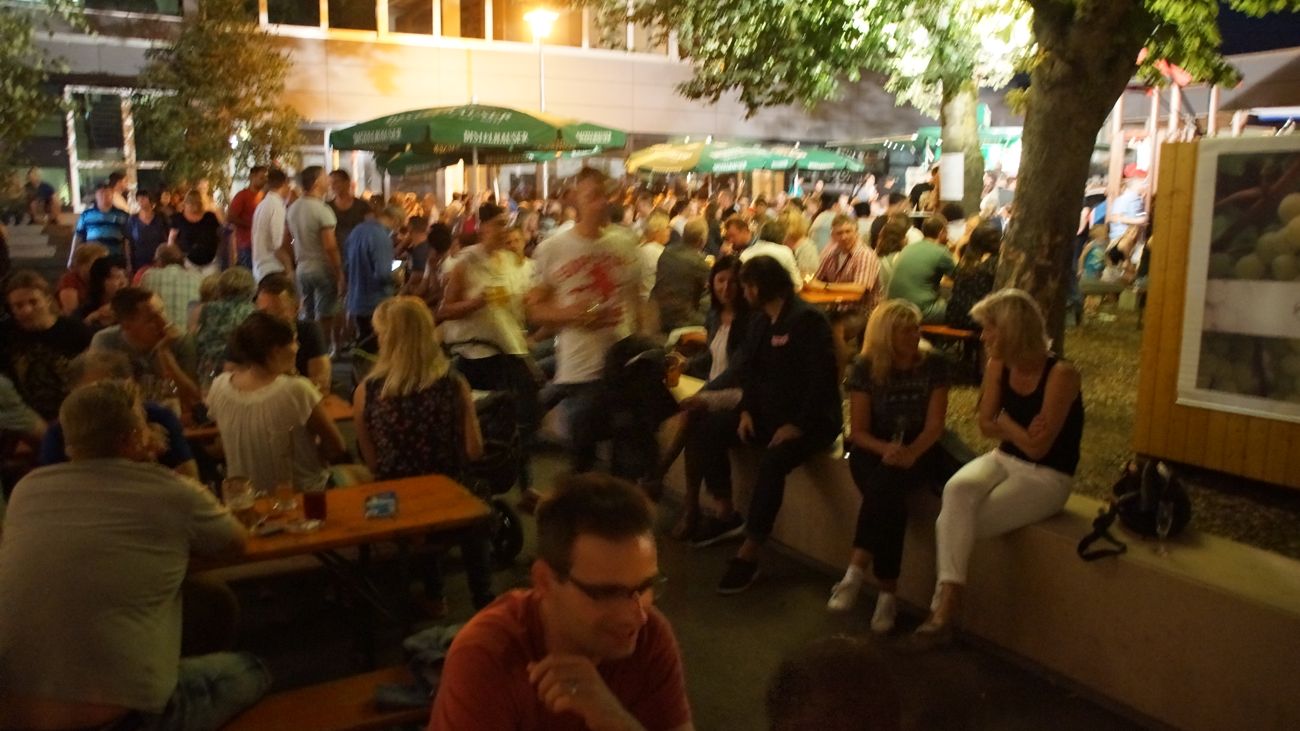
(920, 267)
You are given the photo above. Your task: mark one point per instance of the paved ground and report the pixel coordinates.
(731, 645)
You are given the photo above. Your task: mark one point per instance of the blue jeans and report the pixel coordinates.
(244, 258)
(590, 422)
(210, 690)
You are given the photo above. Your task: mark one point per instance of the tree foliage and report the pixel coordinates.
(25, 70)
(215, 97)
(1080, 56)
(790, 52)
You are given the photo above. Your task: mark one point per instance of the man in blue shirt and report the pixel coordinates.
(369, 270)
(103, 224)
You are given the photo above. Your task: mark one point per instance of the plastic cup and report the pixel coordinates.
(313, 503)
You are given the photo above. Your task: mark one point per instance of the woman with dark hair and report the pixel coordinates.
(891, 240)
(711, 416)
(273, 427)
(790, 402)
(107, 276)
(973, 279)
(197, 231)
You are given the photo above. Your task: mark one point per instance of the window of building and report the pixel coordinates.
(410, 16)
(598, 37)
(643, 41)
(464, 18)
(155, 7)
(352, 14)
(97, 119)
(293, 12)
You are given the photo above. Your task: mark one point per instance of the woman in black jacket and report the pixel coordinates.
(790, 402)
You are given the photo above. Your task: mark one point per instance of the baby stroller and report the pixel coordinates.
(493, 474)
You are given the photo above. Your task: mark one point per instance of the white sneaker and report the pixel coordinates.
(844, 594)
(882, 620)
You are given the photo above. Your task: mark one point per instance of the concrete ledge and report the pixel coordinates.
(1206, 638)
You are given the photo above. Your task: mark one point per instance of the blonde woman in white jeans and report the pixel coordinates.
(1031, 402)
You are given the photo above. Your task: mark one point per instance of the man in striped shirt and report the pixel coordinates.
(103, 223)
(849, 267)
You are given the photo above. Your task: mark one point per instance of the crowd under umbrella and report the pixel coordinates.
(469, 130)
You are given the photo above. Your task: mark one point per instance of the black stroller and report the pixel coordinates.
(492, 475)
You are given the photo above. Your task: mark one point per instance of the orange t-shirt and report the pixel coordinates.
(485, 678)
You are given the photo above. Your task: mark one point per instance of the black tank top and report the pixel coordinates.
(1063, 456)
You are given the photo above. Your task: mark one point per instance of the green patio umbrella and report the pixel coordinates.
(463, 129)
(417, 163)
(814, 159)
(700, 157)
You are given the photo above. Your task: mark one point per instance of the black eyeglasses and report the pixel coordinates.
(610, 593)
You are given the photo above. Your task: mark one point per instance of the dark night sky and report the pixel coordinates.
(1242, 34)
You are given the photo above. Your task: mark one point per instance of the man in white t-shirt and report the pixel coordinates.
(268, 228)
(587, 286)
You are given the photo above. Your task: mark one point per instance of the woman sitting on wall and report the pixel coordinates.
(1032, 404)
(899, 402)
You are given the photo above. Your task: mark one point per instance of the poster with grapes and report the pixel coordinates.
(1241, 326)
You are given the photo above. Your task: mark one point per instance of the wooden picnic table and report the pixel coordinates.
(824, 297)
(425, 504)
(337, 407)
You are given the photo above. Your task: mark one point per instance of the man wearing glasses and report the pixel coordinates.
(584, 648)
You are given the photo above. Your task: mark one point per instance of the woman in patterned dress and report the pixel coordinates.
(414, 415)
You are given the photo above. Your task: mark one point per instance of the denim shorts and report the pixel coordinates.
(210, 690)
(320, 292)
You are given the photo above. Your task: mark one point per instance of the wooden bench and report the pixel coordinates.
(339, 705)
(968, 343)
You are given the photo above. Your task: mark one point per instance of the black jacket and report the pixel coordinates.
(788, 372)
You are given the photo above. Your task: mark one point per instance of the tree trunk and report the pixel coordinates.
(959, 121)
(1086, 58)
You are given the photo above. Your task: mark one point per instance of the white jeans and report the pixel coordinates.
(993, 494)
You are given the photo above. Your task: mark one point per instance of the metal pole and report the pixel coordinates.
(541, 99)
(74, 166)
(473, 188)
(1212, 119)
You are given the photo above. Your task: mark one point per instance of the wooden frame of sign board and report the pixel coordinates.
(1235, 436)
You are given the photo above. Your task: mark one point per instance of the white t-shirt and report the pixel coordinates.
(91, 566)
(603, 272)
(718, 351)
(268, 235)
(501, 323)
(264, 432)
(649, 252)
(781, 253)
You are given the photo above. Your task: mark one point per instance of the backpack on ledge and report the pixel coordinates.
(1146, 491)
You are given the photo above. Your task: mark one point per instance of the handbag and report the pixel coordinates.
(1148, 497)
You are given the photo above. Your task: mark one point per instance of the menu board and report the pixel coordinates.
(1241, 323)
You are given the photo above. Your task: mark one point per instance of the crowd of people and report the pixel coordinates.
(590, 304)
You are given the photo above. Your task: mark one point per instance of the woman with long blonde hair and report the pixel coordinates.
(414, 416)
(899, 402)
(1031, 403)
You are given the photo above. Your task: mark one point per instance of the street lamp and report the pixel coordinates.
(541, 20)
